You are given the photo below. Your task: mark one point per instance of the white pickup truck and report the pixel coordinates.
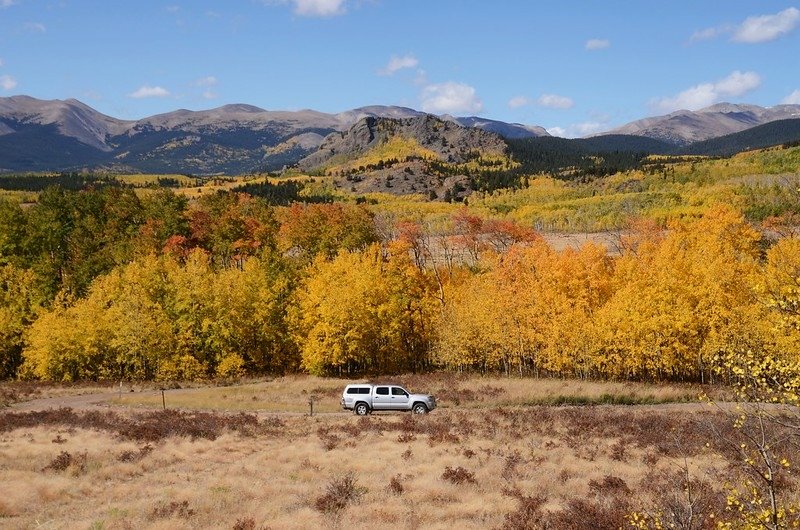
(364, 398)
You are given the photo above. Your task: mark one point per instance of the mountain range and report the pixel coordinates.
(41, 135)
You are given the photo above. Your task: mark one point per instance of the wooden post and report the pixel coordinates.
(163, 400)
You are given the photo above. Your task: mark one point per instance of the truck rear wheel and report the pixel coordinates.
(361, 409)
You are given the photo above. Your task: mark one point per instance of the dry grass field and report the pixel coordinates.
(485, 460)
(292, 393)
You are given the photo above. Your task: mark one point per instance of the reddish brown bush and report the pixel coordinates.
(395, 485)
(65, 460)
(528, 515)
(341, 492)
(458, 475)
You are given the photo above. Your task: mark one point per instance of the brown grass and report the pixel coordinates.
(292, 393)
(531, 467)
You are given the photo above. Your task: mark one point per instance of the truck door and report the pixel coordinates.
(381, 399)
(399, 398)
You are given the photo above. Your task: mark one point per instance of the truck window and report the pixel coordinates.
(382, 390)
(397, 391)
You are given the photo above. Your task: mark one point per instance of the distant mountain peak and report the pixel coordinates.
(231, 138)
(684, 127)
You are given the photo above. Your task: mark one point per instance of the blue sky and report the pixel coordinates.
(574, 67)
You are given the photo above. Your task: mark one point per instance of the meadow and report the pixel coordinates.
(490, 457)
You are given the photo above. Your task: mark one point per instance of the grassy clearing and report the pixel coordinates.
(19, 391)
(538, 467)
(292, 393)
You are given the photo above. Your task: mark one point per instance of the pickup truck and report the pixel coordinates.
(362, 399)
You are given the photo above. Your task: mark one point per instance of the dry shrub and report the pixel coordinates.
(407, 454)
(59, 439)
(167, 510)
(329, 440)
(510, 465)
(468, 454)
(440, 432)
(144, 427)
(247, 523)
(684, 502)
(618, 451)
(610, 486)
(341, 492)
(395, 486)
(405, 437)
(528, 515)
(65, 461)
(581, 514)
(135, 456)
(458, 475)
(606, 508)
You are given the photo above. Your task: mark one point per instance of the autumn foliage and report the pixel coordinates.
(229, 286)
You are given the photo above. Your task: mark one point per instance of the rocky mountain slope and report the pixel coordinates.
(422, 154)
(684, 127)
(66, 135)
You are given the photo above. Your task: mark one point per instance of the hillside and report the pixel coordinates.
(416, 155)
(684, 127)
(773, 133)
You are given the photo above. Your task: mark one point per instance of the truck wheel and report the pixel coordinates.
(419, 408)
(361, 409)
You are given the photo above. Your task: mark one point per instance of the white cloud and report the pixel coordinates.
(792, 99)
(705, 94)
(518, 101)
(35, 27)
(7, 82)
(318, 8)
(398, 63)
(598, 44)
(577, 130)
(7, 3)
(210, 94)
(450, 98)
(755, 29)
(421, 78)
(767, 27)
(588, 127)
(709, 33)
(206, 81)
(172, 9)
(554, 101)
(147, 91)
(1, 62)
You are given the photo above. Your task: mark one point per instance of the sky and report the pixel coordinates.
(573, 67)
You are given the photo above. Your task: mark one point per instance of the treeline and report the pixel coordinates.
(231, 286)
(66, 181)
(564, 159)
(281, 193)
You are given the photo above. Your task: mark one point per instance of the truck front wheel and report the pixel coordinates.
(361, 409)
(419, 408)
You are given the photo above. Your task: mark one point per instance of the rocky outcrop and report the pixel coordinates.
(452, 142)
